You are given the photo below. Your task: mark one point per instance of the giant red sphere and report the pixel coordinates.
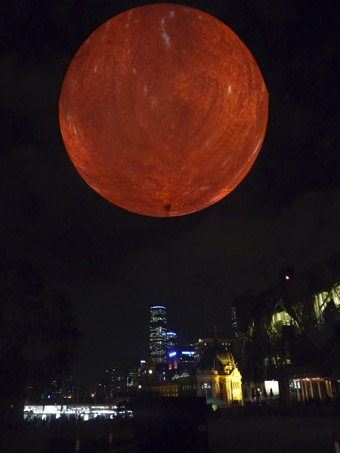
(163, 110)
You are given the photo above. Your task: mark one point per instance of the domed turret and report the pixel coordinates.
(217, 358)
(226, 358)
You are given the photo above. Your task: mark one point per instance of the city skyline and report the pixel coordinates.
(113, 265)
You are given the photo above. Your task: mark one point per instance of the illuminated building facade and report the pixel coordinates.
(134, 376)
(204, 343)
(180, 363)
(172, 362)
(216, 378)
(158, 334)
(171, 341)
(299, 322)
(234, 322)
(186, 360)
(112, 386)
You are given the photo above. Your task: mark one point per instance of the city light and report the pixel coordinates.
(172, 354)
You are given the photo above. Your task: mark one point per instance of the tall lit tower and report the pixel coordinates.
(158, 334)
(171, 341)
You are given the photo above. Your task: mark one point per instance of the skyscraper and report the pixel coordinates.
(171, 340)
(158, 334)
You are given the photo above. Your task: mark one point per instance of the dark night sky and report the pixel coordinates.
(114, 264)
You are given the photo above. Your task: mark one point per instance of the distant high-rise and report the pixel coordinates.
(171, 340)
(158, 334)
(234, 322)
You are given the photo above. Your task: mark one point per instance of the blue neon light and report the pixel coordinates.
(157, 306)
(172, 354)
(188, 352)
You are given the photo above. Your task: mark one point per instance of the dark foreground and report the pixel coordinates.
(222, 433)
(279, 434)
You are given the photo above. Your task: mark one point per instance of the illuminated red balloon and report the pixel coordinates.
(163, 110)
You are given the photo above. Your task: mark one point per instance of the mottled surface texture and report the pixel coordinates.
(163, 110)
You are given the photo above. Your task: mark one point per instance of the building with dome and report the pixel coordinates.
(217, 376)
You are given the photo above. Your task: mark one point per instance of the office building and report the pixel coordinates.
(291, 332)
(158, 334)
(171, 341)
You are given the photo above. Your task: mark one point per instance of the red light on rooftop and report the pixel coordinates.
(287, 274)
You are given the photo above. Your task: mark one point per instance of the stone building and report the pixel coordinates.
(216, 378)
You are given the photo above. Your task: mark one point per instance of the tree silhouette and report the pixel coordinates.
(38, 335)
